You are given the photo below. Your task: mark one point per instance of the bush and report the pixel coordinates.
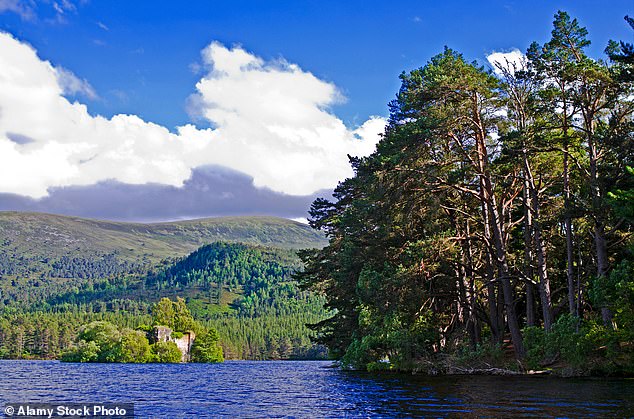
(207, 348)
(565, 341)
(102, 342)
(166, 353)
(134, 347)
(484, 355)
(107, 338)
(535, 344)
(83, 352)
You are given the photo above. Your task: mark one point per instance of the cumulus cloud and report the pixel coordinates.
(73, 85)
(510, 61)
(270, 120)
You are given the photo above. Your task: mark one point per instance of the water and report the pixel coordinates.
(307, 389)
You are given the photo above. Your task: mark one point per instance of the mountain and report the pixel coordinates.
(38, 236)
(53, 267)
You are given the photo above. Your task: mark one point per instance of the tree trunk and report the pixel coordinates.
(600, 242)
(496, 224)
(472, 321)
(602, 268)
(496, 333)
(505, 280)
(540, 247)
(528, 258)
(500, 247)
(530, 304)
(542, 270)
(567, 218)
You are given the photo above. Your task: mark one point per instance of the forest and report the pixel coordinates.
(492, 226)
(246, 293)
(102, 341)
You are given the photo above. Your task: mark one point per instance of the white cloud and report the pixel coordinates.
(73, 85)
(512, 61)
(270, 119)
(20, 7)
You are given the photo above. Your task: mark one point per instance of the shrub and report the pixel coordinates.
(166, 352)
(107, 338)
(134, 347)
(83, 352)
(207, 348)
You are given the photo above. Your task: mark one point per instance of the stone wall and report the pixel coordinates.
(160, 334)
(185, 345)
(164, 334)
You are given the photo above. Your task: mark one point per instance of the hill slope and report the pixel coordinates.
(246, 292)
(46, 236)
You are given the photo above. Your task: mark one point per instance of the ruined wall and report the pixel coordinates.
(185, 345)
(164, 334)
(160, 334)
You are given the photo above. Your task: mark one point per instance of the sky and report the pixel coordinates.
(165, 110)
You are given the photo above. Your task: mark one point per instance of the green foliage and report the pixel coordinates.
(101, 341)
(163, 313)
(47, 335)
(249, 295)
(166, 352)
(566, 341)
(144, 328)
(183, 320)
(173, 314)
(269, 337)
(83, 352)
(483, 355)
(617, 292)
(622, 199)
(623, 278)
(207, 347)
(452, 229)
(105, 336)
(586, 348)
(134, 347)
(246, 293)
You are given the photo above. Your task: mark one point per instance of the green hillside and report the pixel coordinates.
(57, 273)
(44, 255)
(32, 243)
(46, 235)
(246, 292)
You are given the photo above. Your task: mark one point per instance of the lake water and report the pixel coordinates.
(307, 389)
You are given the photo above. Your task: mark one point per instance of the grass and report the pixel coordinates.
(40, 237)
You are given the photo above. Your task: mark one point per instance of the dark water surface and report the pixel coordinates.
(307, 389)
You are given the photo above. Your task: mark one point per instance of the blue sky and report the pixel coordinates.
(143, 58)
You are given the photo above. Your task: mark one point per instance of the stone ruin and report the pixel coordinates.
(164, 334)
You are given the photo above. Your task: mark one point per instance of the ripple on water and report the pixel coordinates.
(307, 389)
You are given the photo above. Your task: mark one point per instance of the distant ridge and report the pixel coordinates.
(32, 235)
